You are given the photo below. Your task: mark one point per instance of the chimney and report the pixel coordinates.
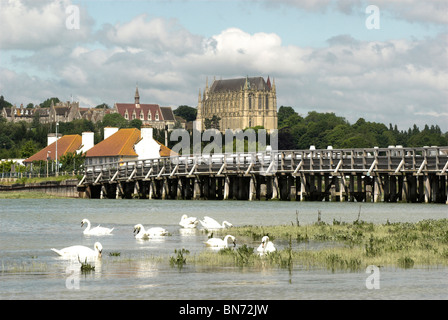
(146, 133)
(87, 141)
(108, 131)
(51, 138)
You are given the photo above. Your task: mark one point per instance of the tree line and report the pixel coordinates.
(21, 139)
(328, 129)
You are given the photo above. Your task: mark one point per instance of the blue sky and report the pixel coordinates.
(296, 26)
(320, 53)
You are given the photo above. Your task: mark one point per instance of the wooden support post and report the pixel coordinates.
(164, 188)
(377, 190)
(180, 187)
(386, 188)
(302, 187)
(226, 187)
(421, 188)
(393, 188)
(342, 188)
(405, 194)
(136, 189)
(327, 186)
(352, 188)
(427, 187)
(275, 193)
(196, 189)
(252, 189)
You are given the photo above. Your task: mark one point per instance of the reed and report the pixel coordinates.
(360, 243)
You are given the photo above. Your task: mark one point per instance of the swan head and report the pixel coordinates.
(184, 217)
(232, 238)
(226, 223)
(83, 222)
(137, 228)
(99, 248)
(264, 240)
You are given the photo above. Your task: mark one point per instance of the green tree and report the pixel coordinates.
(102, 106)
(186, 112)
(212, 123)
(284, 112)
(72, 161)
(28, 148)
(4, 103)
(136, 123)
(47, 103)
(114, 120)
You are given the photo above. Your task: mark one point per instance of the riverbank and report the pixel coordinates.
(39, 188)
(28, 195)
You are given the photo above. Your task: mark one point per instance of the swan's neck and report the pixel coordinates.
(88, 225)
(141, 230)
(226, 240)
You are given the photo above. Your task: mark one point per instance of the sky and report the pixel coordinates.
(387, 65)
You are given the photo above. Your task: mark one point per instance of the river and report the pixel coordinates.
(31, 227)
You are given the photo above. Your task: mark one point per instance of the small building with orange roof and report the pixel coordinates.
(128, 144)
(64, 145)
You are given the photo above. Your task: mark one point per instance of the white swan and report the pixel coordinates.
(188, 222)
(266, 246)
(220, 243)
(97, 231)
(81, 253)
(141, 233)
(210, 223)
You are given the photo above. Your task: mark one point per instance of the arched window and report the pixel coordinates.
(142, 116)
(157, 116)
(149, 115)
(126, 115)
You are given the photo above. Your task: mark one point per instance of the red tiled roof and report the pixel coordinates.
(144, 108)
(121, 143)
(68, 143)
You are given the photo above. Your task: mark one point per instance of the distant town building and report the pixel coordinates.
(239, 103)
(59, 112)
(151, 115)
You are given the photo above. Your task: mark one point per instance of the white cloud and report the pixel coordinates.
(156, 35)
(396, 81)
(30, 25)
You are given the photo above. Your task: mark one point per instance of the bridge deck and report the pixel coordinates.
(374, 163)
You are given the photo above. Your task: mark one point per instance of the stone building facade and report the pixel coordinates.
(240, 103)
(59, 112)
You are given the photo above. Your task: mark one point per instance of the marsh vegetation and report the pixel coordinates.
(355, 245)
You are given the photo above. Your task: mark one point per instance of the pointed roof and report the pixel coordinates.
(167, 113)
(257, 83)
(137, 96)
(121, 143)
(68, 143)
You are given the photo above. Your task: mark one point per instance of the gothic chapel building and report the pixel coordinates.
(240, 103)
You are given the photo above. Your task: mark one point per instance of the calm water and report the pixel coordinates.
(30, 270)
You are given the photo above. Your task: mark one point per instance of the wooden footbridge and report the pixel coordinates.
(375, 174)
